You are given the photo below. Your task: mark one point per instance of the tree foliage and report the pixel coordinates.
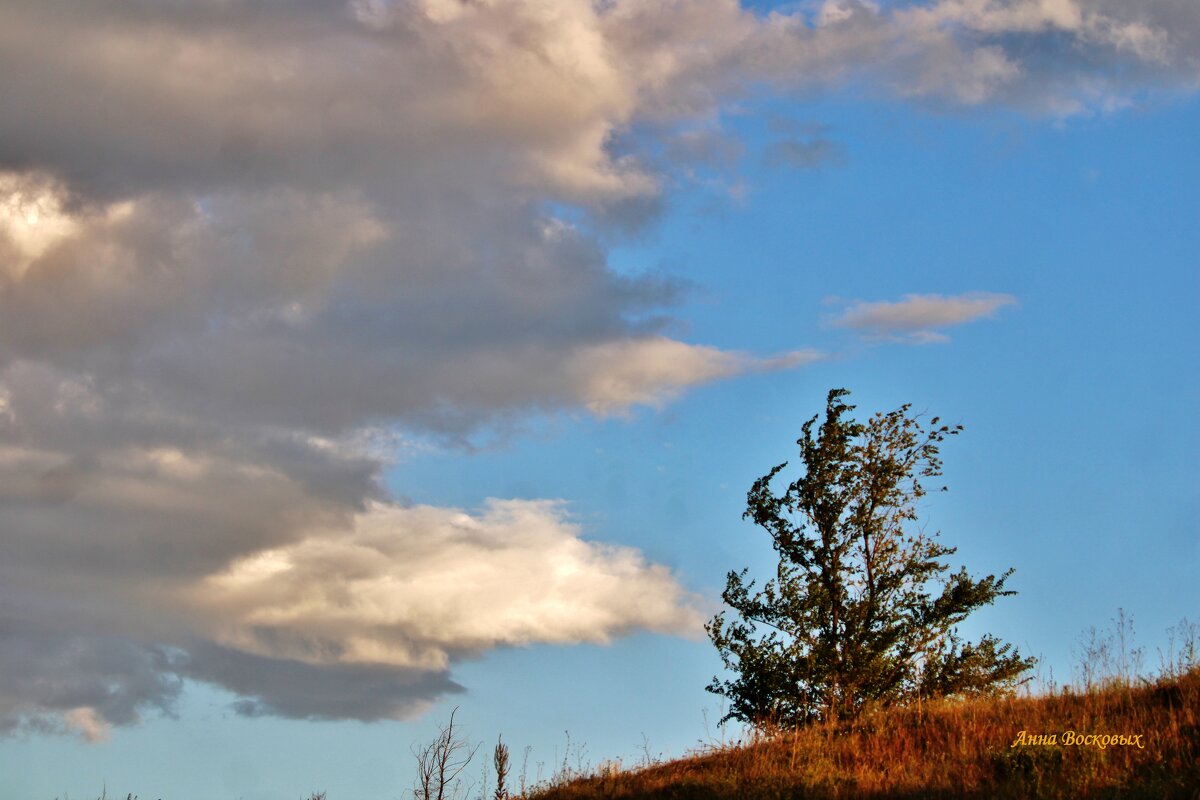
(862, 609)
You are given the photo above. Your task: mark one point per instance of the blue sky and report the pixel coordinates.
(366, 379)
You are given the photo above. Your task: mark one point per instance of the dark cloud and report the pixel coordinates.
(55, 682)
(294, 689)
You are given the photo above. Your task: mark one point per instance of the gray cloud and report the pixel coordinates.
(298, 690)
(211, 95)
(249, 249)
(64, 683)
(1062, 56)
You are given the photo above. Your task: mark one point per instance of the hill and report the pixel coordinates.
(1118, 742)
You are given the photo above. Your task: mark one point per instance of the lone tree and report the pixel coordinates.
(862, 609)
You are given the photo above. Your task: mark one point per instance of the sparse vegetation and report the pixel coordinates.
(441, 762)
(948, 749)
(978, 747)
(500, 761)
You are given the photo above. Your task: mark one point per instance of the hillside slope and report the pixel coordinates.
(972, 749)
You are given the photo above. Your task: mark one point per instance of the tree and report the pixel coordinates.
(862, 609)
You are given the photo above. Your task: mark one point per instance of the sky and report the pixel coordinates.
(365, 359)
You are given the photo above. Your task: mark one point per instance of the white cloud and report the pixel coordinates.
(417, 587)
(916, 317)
(611, 378)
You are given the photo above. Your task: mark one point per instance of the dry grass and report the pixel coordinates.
(948, 749)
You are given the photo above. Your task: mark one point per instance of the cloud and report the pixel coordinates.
(1054, 56)
(52, 681)
(301, 690)
(191, 385)
(361, 616)
(614, 377)
(418, 587)
(524, 93)
(88, 723)
(298, 310)
(915, 318)
(248, 249)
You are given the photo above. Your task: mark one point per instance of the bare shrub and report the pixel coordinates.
(441, 762)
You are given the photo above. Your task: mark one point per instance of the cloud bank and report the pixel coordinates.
(243, 243)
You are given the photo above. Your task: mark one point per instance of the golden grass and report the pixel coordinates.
(948, 749)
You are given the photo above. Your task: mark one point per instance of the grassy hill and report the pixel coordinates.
(972, 749)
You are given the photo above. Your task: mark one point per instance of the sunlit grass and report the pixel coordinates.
(947, 748)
